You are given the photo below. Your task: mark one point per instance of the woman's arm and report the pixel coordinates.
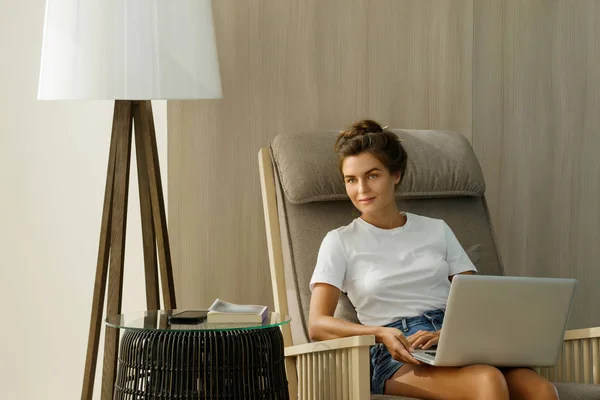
(457, 258)
(322, 325)
(462, 273)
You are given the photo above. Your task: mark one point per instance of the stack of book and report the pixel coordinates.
(223, 312)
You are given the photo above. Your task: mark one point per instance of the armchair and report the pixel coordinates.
(304, 197)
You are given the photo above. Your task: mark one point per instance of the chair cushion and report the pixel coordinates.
(577, 391)
(474, 253)
(443, 180)
(440, 164)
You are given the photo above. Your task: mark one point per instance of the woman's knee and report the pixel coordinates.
(542, 390)
(486, 382)
(549, 391)
(525, 383)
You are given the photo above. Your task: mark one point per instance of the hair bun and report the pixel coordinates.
(366, 126)
(360, 128)
(369, 136)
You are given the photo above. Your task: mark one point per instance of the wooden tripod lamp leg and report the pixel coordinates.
(158, 205)
(123, 110)
(142, 129)
(101, 271)
(111, 250)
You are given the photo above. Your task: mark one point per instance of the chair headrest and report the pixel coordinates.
(440, 164)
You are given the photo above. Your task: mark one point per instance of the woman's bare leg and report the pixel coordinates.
(526, 384)
(433, 383)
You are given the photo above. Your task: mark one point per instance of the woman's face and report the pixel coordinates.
(369, 183)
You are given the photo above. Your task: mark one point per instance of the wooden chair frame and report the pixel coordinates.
(340, 368)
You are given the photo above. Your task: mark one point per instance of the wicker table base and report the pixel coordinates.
(237, 364)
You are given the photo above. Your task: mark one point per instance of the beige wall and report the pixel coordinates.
(53, 159)
(515, 77)
(536, 124)
(290, 66)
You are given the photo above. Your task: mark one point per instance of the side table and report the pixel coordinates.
(158, 360)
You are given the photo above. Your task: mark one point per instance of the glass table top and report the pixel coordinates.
(158, 320)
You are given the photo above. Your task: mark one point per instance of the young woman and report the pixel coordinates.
(397, 268)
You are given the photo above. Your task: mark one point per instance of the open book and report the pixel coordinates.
(223, 312)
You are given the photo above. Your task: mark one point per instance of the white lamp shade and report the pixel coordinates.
(129, 50)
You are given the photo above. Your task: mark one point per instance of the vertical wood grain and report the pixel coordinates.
(568, 349)
(303, 371)
(289, 66)
(587, 365)
(141, 132)
(578, 377)
(419, 64)
(560, 366)
(345, 395)
(518, 78)
(536, 132)
(595, 361)
(122, 125)
(89, 372)
(158, 205)
(488, 107)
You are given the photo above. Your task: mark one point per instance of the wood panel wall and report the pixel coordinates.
(291, 66)
(517, 78)
(536, 124)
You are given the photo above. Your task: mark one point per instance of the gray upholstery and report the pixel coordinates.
(566, 391)
(577, 391)
(308, 167)
(309, 182)
(443, 180)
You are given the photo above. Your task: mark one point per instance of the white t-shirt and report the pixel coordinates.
(390, 274)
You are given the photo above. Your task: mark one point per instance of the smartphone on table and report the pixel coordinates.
(188, 317)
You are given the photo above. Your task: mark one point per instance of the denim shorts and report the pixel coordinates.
(383, 366)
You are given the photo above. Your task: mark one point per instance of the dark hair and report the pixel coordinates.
(368, 136)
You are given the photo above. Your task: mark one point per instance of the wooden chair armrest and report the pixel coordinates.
(332, 344)
(586, 333)
(579, 358)
(335, 369)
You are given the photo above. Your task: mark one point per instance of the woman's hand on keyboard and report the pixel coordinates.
(397, 345)
(424, 339)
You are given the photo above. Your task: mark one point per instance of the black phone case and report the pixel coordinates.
(177, 319)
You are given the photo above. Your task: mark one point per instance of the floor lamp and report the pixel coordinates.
(130, 52)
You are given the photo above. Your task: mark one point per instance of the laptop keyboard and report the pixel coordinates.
(431, 353)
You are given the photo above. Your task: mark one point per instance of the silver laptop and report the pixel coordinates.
(503, 321)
